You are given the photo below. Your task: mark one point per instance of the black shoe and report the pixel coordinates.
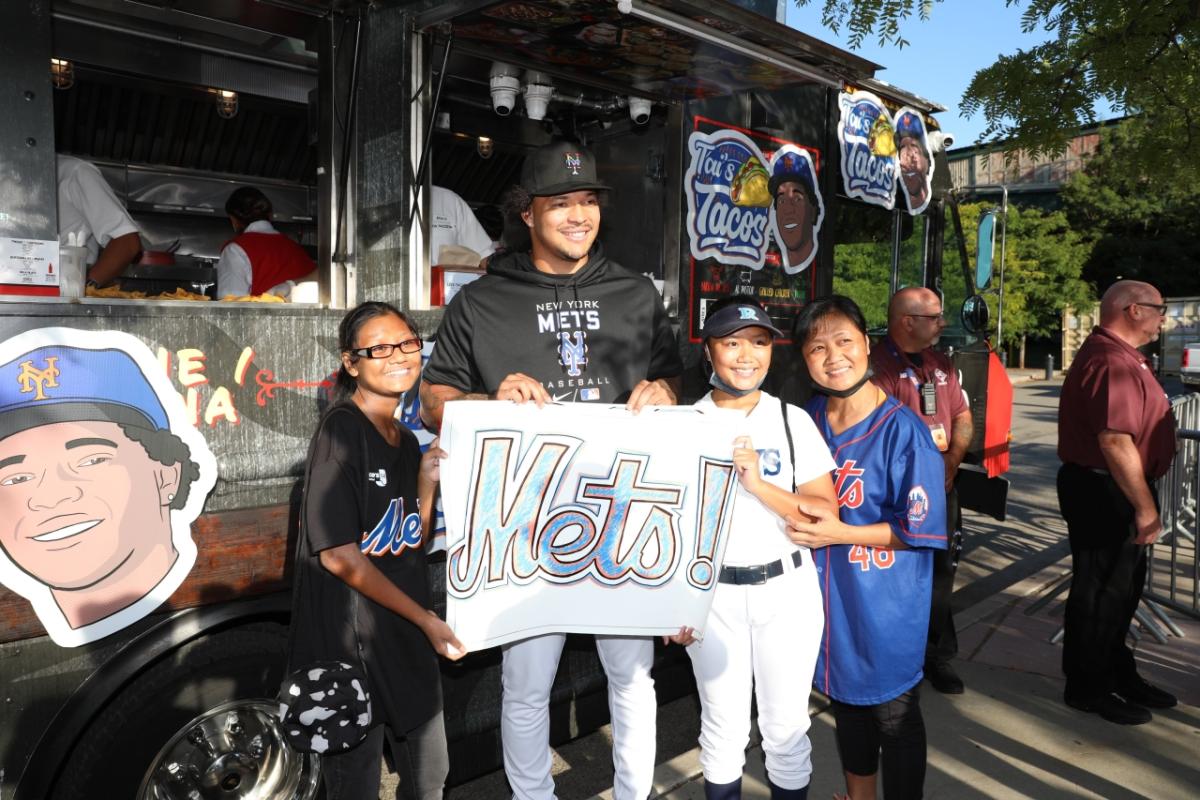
(1142, 693)
(1112, 708)
(944, 678)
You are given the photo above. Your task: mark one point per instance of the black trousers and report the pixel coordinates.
(1108, 575)
(892, 731)
(942, 644)
(420, 757)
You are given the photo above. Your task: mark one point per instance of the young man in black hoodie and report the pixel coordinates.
(561, 322)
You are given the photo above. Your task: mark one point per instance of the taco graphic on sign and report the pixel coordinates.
(749, 187)
(101, 476)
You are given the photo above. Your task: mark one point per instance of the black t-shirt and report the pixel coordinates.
(361, 489)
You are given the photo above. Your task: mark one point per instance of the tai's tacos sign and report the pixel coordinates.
(731, 189)
(880, 149)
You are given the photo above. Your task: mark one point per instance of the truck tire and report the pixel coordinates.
(199, 720)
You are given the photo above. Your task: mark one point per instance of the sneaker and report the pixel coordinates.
(944, 678)
(1142, 693)
(1112, 708)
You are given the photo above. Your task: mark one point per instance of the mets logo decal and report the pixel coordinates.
(847, 482)
(573, 161)
(918, 505)
(44, 378)
(572, 352)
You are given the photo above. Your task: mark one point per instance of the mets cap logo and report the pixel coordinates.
(573, 162)
(918, 505)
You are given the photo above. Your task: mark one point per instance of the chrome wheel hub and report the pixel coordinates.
(234, 751)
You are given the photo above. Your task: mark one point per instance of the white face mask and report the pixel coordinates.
(714, 380)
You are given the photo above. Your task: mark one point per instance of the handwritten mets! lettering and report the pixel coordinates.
(617, 527)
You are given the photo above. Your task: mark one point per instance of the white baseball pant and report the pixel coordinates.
(762, 638)
(527, 676)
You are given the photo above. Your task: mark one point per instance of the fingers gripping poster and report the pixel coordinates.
(101, 475)
(582, 519)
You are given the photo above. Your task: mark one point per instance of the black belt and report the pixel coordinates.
(759, 573)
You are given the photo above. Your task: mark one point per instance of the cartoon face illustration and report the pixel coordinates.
(914, 159)
(98, 483)
(797, 216)
(798, 206)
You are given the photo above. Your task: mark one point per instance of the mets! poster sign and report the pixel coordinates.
(881, 150)
(739, 197)
(582, 519)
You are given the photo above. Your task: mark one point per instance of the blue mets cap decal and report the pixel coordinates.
(60, 383)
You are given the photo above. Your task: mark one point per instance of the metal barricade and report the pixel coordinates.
(1171, 576)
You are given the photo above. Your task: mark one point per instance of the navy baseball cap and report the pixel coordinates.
(733, 318)
(910, 125)
(559, 168)
(57, 383)
(791, 167)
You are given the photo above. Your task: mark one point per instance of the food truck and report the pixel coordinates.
(346, 114)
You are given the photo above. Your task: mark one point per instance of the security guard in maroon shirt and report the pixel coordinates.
(1116, 436)
(908, 368)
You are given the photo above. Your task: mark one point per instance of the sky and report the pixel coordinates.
(942, 54)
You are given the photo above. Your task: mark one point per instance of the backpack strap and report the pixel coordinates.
(787, 429)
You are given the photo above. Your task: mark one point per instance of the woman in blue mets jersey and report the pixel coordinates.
(762, 632)
(362, 594)
(875, 563)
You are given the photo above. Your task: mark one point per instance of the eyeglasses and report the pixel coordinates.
(385, 350)
(927, 316)
(1161, 308)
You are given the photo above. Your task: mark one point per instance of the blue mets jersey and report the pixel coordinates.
(887, 469)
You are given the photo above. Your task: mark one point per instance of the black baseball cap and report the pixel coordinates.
(559, 168)
(732, 318)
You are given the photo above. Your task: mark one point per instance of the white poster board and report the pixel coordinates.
(582, 519)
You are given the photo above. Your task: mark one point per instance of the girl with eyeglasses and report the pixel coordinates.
(362, 592)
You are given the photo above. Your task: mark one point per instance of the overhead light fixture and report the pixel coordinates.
(681, 24)
(484, 146)
(227, 104)
(62, 73)
(539, 88)
(505, 82)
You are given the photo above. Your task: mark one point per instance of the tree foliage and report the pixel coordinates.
(1043, 266)
(1135, 225)
(1142, 57)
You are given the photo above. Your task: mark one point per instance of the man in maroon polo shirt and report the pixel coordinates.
(1116, 435)
(908, 368)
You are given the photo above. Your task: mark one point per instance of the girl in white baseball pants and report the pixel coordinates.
(765, 624)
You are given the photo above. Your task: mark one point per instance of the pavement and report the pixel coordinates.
(1009, 735)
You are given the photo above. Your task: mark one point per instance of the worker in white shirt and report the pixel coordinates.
(452, 222)
(89, 210)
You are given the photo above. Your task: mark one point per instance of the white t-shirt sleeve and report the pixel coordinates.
(812, 454)
(233, 272)
(99, 206)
